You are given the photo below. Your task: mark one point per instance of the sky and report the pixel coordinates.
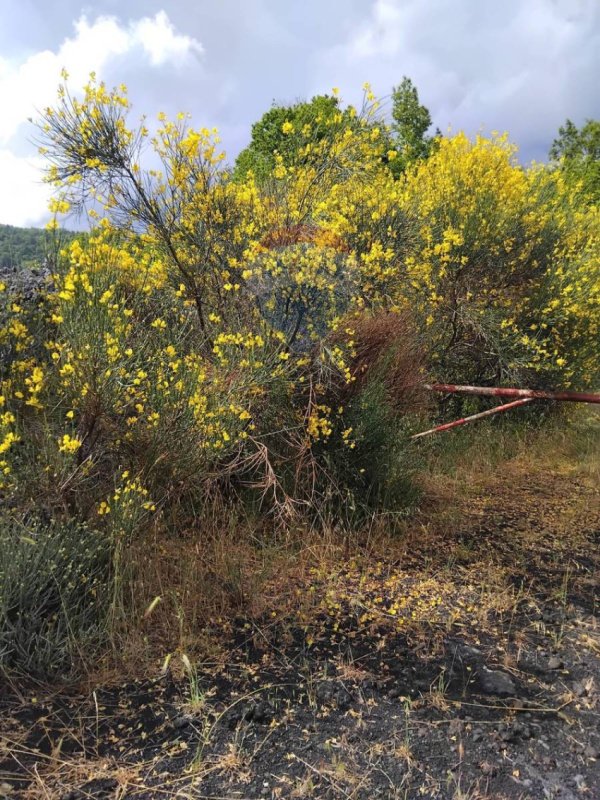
(521, 66)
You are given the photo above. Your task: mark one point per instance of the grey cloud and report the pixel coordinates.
(521, 67)
(517, 66)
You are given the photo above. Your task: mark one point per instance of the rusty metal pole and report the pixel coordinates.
(490, 411)
(533, 394)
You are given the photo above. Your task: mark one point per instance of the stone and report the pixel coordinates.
(496, 682)
(182, 721)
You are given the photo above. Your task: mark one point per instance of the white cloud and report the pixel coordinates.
(160, 41)
(32, 84)
(383, 35)
(29, 86)
(24, 198)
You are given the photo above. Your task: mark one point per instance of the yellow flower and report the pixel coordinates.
(68, 444)
(103, 508)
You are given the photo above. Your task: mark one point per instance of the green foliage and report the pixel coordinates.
(311, 122)
(295, 132)
(24, 251)
(53, 600)
(579, 150)
(411, 121)
(375, 470)
(370, 455)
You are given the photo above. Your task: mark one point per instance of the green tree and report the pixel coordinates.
(578, 149)
(292, 132)
(411, 121)
(287, 130)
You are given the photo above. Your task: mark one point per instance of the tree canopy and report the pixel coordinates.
(296, 133)
(20, 245)
(578, 149)
(411, 121)
(291, 132)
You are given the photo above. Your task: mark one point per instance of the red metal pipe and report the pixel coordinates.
(480, 415)
(533, 394)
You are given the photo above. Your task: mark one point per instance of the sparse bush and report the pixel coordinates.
(53, 595)
(386, 346)
(369, 453)
(505, 275)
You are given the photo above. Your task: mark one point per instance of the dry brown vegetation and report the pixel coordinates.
(207, 578)
(341, 664)
(386, 346)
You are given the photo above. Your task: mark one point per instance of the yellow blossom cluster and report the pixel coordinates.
(196, 333)
(506, 261)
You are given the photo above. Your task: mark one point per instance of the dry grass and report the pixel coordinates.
(385, 346)
(188, 588)
(518, 539)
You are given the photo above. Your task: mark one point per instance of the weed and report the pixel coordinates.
(196, 696)
(54, 595)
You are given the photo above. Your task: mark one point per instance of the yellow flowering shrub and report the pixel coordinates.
(202, 335)
(505, 273)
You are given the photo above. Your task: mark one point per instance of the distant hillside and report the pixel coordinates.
(21, 246)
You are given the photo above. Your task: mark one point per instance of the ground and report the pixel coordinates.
(461, 660)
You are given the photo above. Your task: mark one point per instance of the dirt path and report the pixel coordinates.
(464, 664)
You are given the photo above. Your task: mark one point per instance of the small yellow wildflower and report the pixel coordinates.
(69, 444)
